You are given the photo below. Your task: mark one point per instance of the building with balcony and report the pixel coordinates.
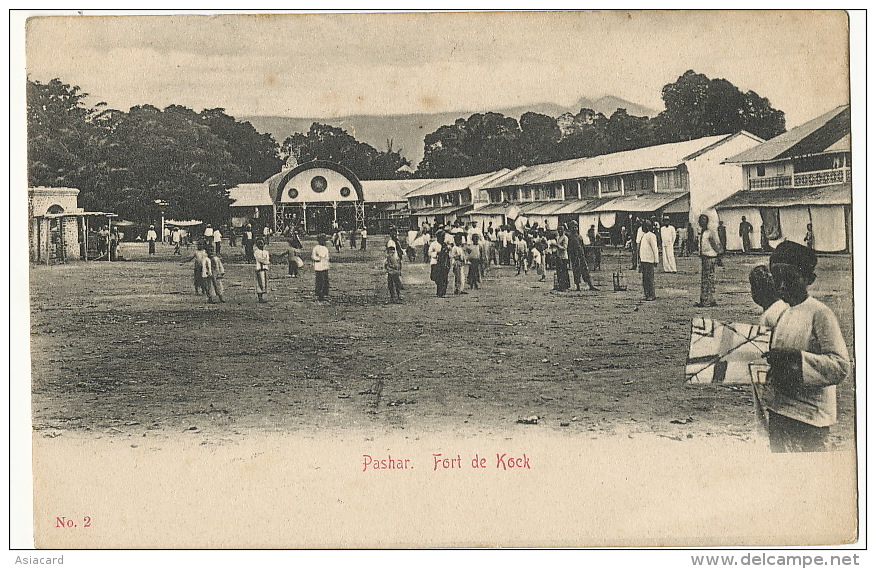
(800, 178)
(679, 180)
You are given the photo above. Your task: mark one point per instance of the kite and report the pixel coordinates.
(727, 353)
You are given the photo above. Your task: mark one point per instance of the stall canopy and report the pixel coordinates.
(492, 209)
(643, 203)
(837, 194)
(445, 210)
(189, 223)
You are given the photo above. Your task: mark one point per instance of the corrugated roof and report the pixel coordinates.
(525, 175)
(578, 205)
(842, 145)
(250, 195)
(836, 194)
(812, 137)
(642, 203)
(446, 185)
(541, 208)
(376, 191)
(659, 157)
(445, 210)
(491, 209)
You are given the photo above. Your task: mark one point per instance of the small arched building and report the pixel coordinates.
(320, 195)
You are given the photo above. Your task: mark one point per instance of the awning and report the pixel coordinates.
(390, 206)
(445, 210)
(492, 209)
(575, 206)
(77, 214)
(541, 208)
(641, 203)
(837, 194)
(189, 223)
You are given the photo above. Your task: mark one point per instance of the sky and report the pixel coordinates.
(329, 65)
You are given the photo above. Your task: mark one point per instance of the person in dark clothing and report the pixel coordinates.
(577, 261)
(442, 269)
(691, 239)
(722, 235)
(745, 231)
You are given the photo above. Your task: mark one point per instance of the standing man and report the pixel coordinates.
(217, 241)
(668, 235)
(577, 260)
(810, 237)
(248, 243)
(320, 256)
(151, 237)
(363, 239)
(710, 251)
(648, 257)
(690, 240)
(745, 231)
(722, 235)
(563, 283)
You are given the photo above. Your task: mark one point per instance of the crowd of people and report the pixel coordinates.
(808, 356)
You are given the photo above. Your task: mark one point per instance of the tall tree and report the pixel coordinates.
(697, 106)
(482, 143)
(539, 135)
(325, 142)
(125, 161)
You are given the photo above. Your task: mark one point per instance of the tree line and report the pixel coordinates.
(126, 161)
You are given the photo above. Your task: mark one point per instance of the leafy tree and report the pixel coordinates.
(124, 161)
(628, 132)
(697, 106)
(583, 134)
(482, 143)
(539, 135)
(61, 134)
(255, 154)
(325, 142)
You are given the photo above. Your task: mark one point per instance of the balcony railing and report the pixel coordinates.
(803, 179)
(773, 182)
(822, 177)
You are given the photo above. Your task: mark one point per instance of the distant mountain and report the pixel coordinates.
(407, 131)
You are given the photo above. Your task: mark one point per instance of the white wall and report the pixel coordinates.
(302, 183)
(711, 181)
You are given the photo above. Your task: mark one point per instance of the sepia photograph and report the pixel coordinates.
(545, 279)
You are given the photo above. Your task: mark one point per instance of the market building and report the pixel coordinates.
(800, 178)
(680, 180)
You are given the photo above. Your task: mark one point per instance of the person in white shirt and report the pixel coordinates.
(364, 239)
(648, 258)
(262, 262)
(208, 232)
(668, 235)
(320, 257)
(808, 357)
(151, 237)
(217, 240)
(434, 249)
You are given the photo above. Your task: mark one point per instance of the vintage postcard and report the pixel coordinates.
(416, 280)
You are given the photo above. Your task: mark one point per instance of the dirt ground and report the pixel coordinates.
(126, 348)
